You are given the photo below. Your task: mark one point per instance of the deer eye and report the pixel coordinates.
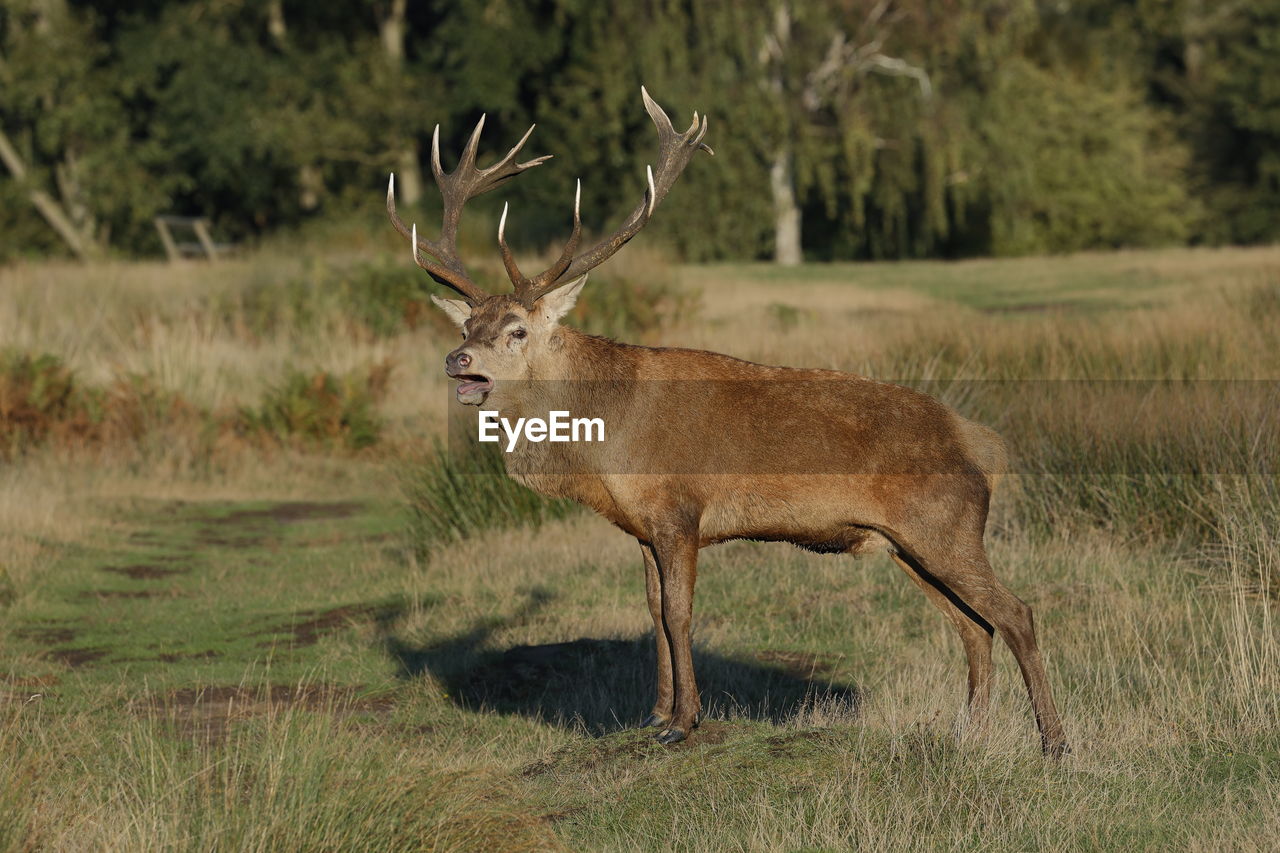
(519, 334)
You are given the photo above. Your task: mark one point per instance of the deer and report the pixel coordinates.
(705, 448)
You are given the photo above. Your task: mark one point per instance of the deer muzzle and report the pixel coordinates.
(472, 387)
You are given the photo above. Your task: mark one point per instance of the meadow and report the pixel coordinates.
(245, 602)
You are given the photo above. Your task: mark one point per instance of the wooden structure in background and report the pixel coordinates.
(203, 245)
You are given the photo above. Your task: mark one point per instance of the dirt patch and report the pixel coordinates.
(291, 511)
(53, 635)
(253, 528)
(789, 745)
(1029, 308)
(320, 623)
(76, 658)
(144, 571)
(173, 657)
(108, 594)
(210, 712)
(243, 540)
(803, 664)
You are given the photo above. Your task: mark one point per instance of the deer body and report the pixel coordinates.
(703, 448)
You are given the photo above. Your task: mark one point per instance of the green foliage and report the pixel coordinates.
(463, 490)
(1023, 128)
(1070, 167)
(321, 407)
(36, 393)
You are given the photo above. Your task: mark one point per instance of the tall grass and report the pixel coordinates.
(285, 779)
(457, 493)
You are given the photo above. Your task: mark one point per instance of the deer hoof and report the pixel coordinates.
(653, 721)
(1057, 751)
(666, 737)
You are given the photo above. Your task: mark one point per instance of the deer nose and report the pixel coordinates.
(456, 361)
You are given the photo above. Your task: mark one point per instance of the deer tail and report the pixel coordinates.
(986, 449)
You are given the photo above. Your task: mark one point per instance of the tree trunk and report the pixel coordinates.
(393, 28)
(83, 247)
(276, 26)
(786, 213)
(310, 178)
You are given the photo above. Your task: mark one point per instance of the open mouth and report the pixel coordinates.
(473, 383)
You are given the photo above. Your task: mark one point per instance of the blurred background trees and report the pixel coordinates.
(843, 128)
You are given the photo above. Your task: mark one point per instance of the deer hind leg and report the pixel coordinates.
(664, 705)
(967, 573)
(975, 633)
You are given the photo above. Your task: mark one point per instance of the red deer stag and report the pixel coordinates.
(704, 448)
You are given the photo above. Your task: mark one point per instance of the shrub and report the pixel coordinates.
(321, 407)
(42, 402)
(36, 394)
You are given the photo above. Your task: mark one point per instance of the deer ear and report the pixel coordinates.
(459, 312)
(560, 301)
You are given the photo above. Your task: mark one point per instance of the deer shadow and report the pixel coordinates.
(605, 685)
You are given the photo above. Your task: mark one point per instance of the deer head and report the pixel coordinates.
(510, 336)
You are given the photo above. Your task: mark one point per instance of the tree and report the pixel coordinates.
(814, 68)
(62, 139)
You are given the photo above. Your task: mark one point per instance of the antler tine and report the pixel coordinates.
(675, 150)
(529, 290)
(448, 272)
(506, 161)
(468, 159)
(466, 181)
(458, 187)
(513, 271)
(436, 169)
(658, 114)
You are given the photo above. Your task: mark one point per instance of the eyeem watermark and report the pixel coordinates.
(559, 426)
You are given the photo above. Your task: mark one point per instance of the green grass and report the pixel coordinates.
(1078, 283)
(212, 588)
(485, 700)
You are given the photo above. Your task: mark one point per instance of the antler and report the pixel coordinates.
(675, 150)
(462, 184)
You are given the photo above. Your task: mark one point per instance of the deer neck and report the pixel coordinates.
(572, 354)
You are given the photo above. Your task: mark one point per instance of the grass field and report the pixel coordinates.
(219, 635)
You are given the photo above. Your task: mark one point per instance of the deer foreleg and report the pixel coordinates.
(664, 705)
(677, 559)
